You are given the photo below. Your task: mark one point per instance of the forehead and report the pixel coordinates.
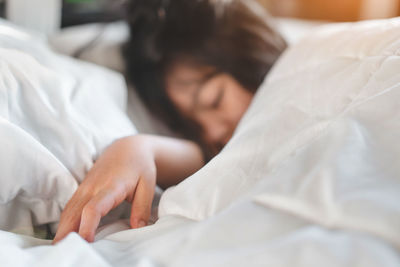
(180, 74)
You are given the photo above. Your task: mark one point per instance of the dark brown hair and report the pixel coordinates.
(233, 36)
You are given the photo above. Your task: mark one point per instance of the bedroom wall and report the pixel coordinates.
(39, 15)
(379, 9)
(336, 10)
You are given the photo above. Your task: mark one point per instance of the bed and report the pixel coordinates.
(311, 176)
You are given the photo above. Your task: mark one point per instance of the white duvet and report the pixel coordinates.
(56, 116)
(310, 178)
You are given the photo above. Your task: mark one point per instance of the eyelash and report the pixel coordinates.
(217, 101)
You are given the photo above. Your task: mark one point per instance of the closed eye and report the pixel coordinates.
(218, 99)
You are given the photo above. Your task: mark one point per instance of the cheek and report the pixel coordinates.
(236, 105)
(181, 99)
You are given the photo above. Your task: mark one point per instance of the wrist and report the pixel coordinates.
(140, 151)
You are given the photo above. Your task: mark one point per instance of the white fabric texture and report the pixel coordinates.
(310, 178)
(293, 30)
(101, 44)
(56, 116)
(320, 139)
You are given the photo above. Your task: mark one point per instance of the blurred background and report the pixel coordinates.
(48, 16)
(334, 10)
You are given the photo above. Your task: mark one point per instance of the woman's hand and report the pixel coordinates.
(125, 171)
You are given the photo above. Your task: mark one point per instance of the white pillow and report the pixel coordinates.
(56, 115)
(101, 44)
(320, 139)
(293, 30)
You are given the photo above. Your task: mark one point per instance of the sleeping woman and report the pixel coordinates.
(196, 64)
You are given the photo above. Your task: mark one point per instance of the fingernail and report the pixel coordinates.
(142, 223)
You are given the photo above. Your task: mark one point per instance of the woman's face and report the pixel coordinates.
(216, 101)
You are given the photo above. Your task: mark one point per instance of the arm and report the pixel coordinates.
(175, 159)
(128, 170)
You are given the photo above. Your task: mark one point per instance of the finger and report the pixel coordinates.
(95, 209)
(141, 205)
(71, 216)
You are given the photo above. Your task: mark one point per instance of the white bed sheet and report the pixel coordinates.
(56, 116)
(310, 178)
(246, 234)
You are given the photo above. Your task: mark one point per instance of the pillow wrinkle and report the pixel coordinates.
(321, 132)
(58, 115)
